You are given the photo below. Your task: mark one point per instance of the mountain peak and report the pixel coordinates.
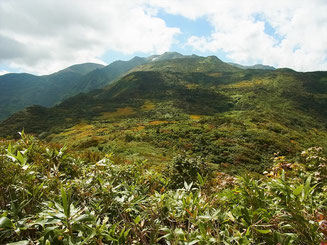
(175, 62)
(82, 69)
(166, 56)
(254, 67)
(214, 58)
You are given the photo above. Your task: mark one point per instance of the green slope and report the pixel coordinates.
(82, 69)
(99, 78)
(202, 153)
(254, 67)
(188, 63)
(201, 106)
(20, 90)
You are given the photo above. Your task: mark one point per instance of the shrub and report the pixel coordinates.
(186, 169)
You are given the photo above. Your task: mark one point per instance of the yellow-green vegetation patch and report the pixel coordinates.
(81, 127)
(246, 84)
(191, 85)
(215, 74)
(77, 132)
(148, 105)
(68, 119)
(158, 122)
(118, 113)
(101, 130)
(138, 128)
(195, 117)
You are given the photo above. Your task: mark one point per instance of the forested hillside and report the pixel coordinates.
(20, 90)
(177, 150)
(203, 107)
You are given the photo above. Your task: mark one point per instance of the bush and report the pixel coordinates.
(186, 169)
(48, 196)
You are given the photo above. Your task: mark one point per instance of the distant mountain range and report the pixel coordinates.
(18, 91)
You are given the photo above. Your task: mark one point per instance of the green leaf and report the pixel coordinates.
(165, 229)
(263, 231)
(200, 179)
(21, 158)
(83, 218)
(24, 242)
(49, 229)
(65, 202)
(179, 231)
(6, 223)
(298, 190)
(193, 242)
(137, 219)
(307, 185)
(248, 231)
(9, 149)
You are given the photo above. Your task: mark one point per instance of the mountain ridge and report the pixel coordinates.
(82, 68)
(256, 66)
(20, 90)
(225, 114)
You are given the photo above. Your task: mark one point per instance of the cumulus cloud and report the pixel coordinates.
(297, 37)
(3, 72)
(44, 36)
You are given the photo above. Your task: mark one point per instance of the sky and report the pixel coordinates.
(44, 36)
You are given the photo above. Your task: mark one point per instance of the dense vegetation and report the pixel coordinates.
(179, 150)
(232, 119)
(51, 195)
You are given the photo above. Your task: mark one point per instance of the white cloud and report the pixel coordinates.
(302, 24)
(43, 36)
(3, 72)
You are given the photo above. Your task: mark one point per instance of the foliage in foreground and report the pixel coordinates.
(51, 196)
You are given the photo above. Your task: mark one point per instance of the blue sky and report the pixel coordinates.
(188, 28)
(44, 36)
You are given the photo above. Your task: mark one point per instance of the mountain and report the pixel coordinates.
(82, 69)
(102, 77)
(20, 90)
(185, 150)
(110, 73)
(165, 56)
(187, 64)
(198, 105)
(257, 66)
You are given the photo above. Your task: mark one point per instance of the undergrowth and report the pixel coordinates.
(50, 195)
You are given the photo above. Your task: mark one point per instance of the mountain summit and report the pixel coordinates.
(20, 90)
